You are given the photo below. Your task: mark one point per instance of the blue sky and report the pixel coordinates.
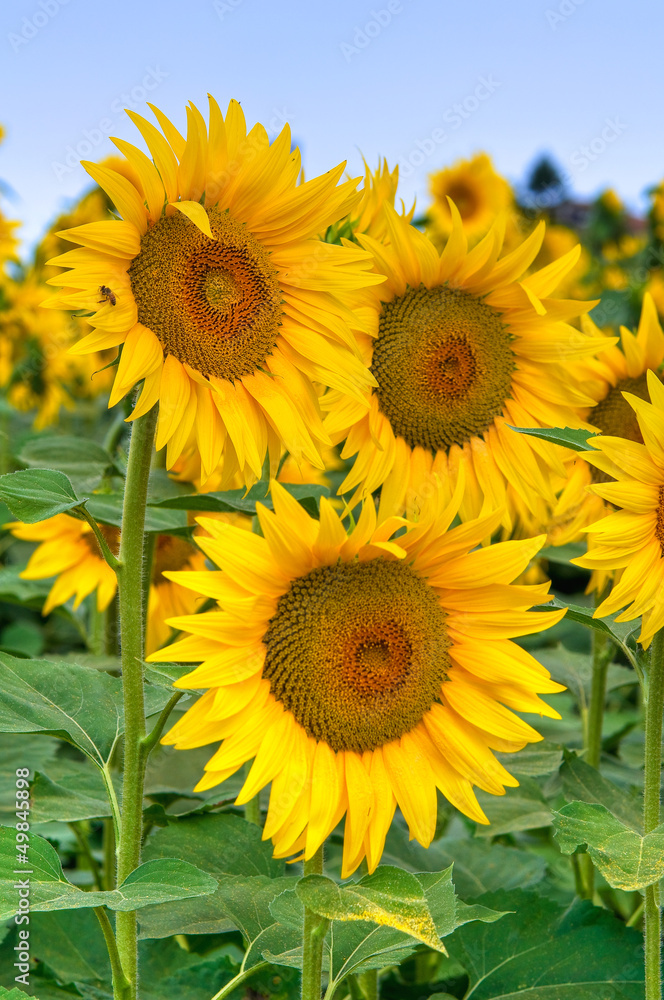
(422, 82)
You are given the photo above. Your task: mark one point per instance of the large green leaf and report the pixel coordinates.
(84, 462)
(479, 866)
(575, 671)
(35, 494)
(547, 951)
(626, 859)
(224, 845)
(390, 897)
(153, 882)
(71, 790)
(70, 943)
(584, 783)
(357, 945)
(33, 752)
(78, 704)
(521, 808)
(568, 437)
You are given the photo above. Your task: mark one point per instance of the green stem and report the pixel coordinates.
(83, 843)
(132, 629)
(651, 811)
(369, 984)
(111, 559)
(252, 810)
(636, 916)
(151, 741)
(121, 985)
(111, 628)
(238, 980)
(602, 655)
(96, 625)
(109, 854)
(315, 929)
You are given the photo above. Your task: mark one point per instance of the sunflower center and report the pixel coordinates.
(464, 198)
(444, 365)
(170, 554)
(615, 417)
(357, 652)
(213, 304)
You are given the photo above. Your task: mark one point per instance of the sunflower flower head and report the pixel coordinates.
(477, 190)
(68, 550)
(463, 348)
(361, 670)
(226, 303)
(631, 539)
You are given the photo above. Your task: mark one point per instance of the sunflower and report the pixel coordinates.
(623, 368)
(462, 348)
(36, 367)
(226, 303)
(360, 671)
(69, 551)
(478, 192)
(632, 538)
(379, 189)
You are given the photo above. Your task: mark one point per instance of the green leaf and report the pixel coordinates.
(23, 637)
(78, 704)
(33, 752)
(619, 631)
(390, 897)
(534, 761)
(35, 494)
(479, 866)
(71, 790)
(224, 845)
(13, 994)
(568, 437)
(561, 554)
(522, 808)
(548, 951)
(71, 945)
(155, 881)
(626, 859)
(584, 783)
(356, 945)
(308, 495)
(106, 508)
(83, 461)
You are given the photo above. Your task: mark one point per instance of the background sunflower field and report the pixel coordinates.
(331, 501)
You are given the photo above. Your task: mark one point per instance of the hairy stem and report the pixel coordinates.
(121, 985)
(315, 929)
(132, 629)
(651, 811)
